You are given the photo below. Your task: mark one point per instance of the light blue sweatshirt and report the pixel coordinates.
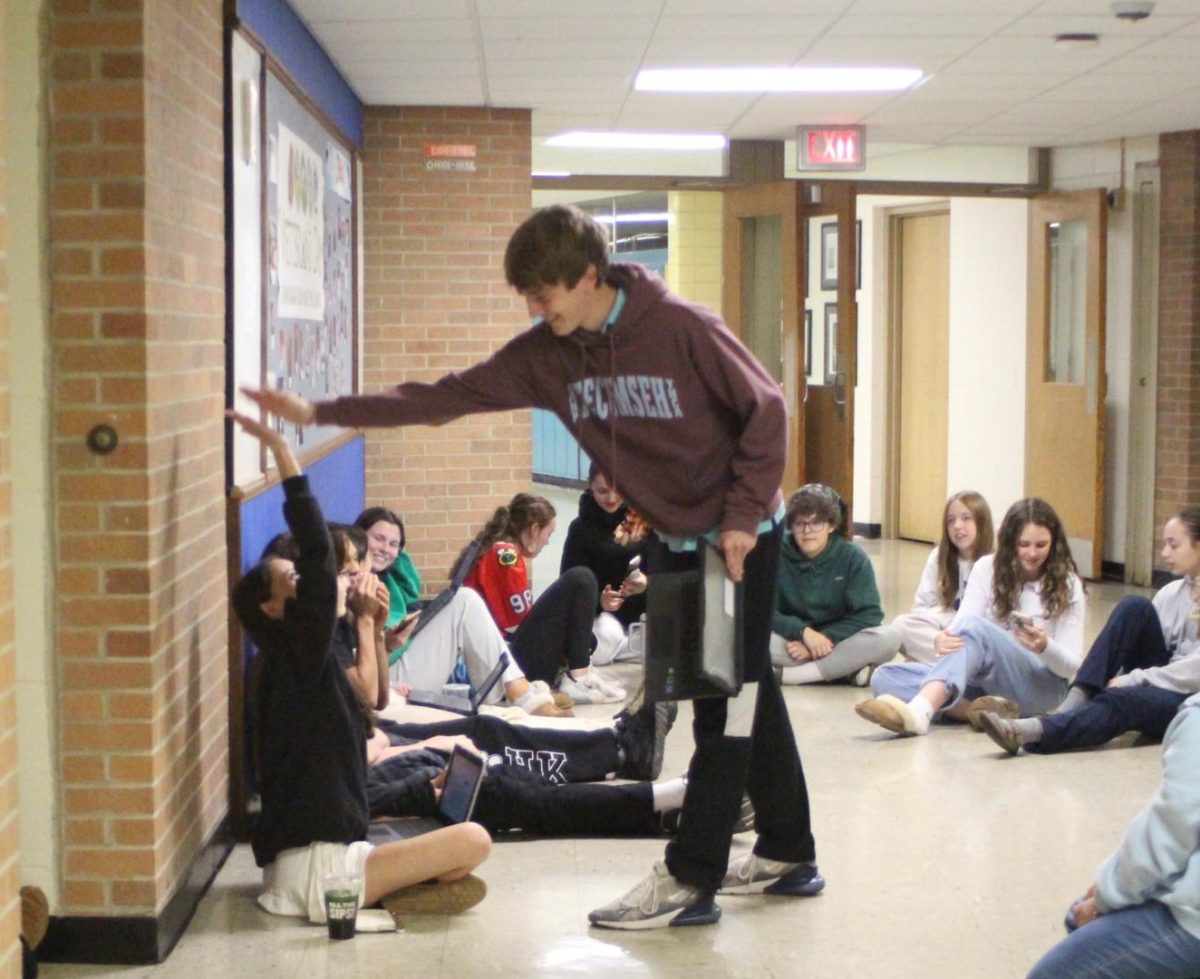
(1159, 858)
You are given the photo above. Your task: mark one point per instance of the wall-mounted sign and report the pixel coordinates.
(831, 147)
(459, 157)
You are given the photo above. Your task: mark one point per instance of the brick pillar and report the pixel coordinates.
(10, 871)
(137, 329)
(436, 301)
(1177, 478)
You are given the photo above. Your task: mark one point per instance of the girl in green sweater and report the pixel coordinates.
(828, 622)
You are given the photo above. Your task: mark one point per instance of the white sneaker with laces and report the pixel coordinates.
(657, 901)
(590, 689)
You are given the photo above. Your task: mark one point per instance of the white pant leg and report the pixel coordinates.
(778, 650)
(917, 632)
(465, 625)
(867, 647)
(480, 641)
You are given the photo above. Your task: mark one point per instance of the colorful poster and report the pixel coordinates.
(301, 228)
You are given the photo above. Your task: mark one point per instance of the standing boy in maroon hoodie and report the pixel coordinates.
(678, 413)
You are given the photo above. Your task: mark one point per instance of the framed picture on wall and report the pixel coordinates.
(829, 255)
(831, 336)
(808, 364)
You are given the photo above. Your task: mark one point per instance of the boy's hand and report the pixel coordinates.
(290, 407)
(735, 545)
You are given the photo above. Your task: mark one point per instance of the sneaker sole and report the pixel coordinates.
(775, 886)
(682, 918)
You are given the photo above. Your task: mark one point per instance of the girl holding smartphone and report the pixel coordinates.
(992, 659)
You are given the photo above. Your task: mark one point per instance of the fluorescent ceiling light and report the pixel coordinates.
(639, 141)
(777, 79)
(550, 173)
(633, 217)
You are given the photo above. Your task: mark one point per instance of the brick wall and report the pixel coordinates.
(137, 329)
(436, 301)
(1177, 480)
(10, 871)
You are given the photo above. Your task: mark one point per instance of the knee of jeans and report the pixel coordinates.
(972, 626)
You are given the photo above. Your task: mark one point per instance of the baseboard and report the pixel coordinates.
(138, 940)
(868, 531)
(1112, 571)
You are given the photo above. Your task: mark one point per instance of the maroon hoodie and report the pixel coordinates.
(668, 402)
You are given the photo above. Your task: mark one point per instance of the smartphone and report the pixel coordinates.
(635, 562)
(1018, 620)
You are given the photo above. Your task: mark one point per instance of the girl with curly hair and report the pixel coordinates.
(1013, 646)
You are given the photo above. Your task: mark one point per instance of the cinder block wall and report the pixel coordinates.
(10, 871)
(137, 302)
(1177, 481)
(436, 301)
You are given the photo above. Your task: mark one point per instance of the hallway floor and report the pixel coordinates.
(943, 857)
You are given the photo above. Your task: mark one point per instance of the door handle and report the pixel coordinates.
(839, 388)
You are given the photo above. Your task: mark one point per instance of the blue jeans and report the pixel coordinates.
(1142, 942)
(991, 661)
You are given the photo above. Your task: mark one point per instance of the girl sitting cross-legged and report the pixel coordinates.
(1013, 646)
(828, 622)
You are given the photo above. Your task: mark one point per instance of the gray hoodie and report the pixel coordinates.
(1159, 858)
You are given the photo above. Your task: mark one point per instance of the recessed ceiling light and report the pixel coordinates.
(777, 79)
(634, 217)
(1076, 40)
(639, 141)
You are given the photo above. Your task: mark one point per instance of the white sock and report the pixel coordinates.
(802, 673)
(669, 794)
(922, 712)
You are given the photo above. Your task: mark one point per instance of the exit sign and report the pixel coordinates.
(831, 147)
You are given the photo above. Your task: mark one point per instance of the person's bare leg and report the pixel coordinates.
(444, 854)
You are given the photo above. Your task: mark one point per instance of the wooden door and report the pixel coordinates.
(762, 294)
(922, 322)
(1065, 366)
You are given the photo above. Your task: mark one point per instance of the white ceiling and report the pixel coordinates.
(995, 76)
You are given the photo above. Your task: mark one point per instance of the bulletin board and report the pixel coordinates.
(309, 245)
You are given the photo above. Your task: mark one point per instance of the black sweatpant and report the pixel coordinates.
(557, 632)
(512, 799)
(743, 744)
(560, 755)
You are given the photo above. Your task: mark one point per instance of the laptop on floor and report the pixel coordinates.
(693, 631)
(457, 704)
(443, 598)
(460, 790)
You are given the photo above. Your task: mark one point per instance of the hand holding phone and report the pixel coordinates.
(1018, 620)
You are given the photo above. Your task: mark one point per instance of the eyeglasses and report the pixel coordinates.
(809, 525)
(380, 541)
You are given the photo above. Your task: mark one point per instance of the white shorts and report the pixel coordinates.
(294, 885)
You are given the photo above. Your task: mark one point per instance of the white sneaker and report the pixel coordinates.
(590, 689)
(658, 901)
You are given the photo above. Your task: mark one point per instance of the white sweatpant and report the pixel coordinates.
(464, 626)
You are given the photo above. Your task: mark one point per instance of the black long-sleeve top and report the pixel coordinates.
(312, 756)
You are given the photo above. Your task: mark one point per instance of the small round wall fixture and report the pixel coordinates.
(102, 439)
